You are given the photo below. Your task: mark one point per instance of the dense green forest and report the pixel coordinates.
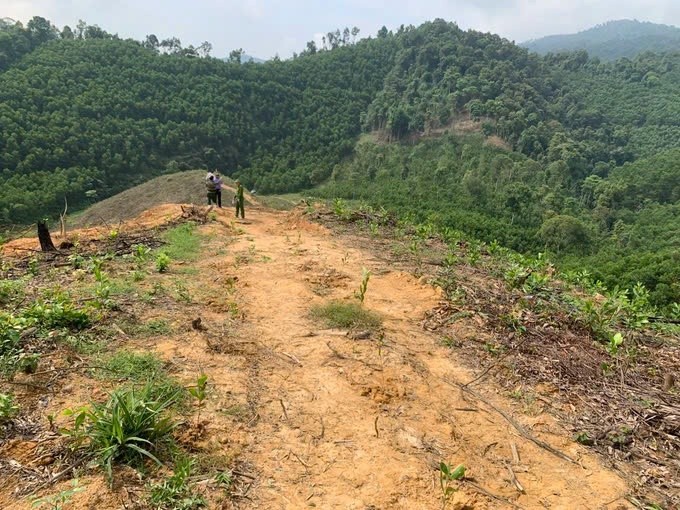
(612, 40)
(461, 129)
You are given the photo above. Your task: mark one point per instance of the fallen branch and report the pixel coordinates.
(522, 431)
(491, 495)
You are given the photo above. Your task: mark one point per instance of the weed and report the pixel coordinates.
(224, 480)
(338, 314)
(174, 493)
(363, 287)
(162, 262)
(28, 363)
(157, 327)
(446, 479)
(450, 342)
(76, 260)
(615, 342)
(182, 292)
(493, 349)
(58, 501)
(141, 254)
(584, 439)
(33, 266)
(10, 291)
(113, 234)
(129, 427)
(85, 344)
(8, 409)
(138, 276)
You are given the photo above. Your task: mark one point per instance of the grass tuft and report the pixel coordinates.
(338, 314)
(184, 242)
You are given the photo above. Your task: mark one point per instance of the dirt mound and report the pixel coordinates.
(178, 188)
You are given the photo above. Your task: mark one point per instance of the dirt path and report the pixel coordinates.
(314, 418)
(363, 424)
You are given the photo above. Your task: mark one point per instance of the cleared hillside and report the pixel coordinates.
(178, 188)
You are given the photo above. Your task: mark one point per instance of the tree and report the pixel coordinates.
(235, 56)
(41, 30)
(311, 48)
(67, 33)
(151, 42)
(204, 49)
(355, 33)
(565, 233)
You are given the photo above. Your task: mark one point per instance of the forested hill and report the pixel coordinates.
(461, 130)
(612, 40)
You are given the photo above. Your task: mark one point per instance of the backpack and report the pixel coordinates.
(210, 185)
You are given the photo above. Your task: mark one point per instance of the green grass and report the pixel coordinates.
(183, 242)
(142, 368)
(350, 315)
(130, 365)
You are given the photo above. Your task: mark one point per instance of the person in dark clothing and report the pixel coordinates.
(211, 188)
(239, 200)
(217, 180)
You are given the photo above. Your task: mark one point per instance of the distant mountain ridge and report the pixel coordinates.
(245, 58)
(612, 40)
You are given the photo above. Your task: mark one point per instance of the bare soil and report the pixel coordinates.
(310, 417)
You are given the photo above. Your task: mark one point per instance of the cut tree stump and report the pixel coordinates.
(44, 237)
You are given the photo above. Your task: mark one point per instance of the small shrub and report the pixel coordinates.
(60, 312)
(350, 315)
(141, 254)
(131, 426)
(8, 409)
(162, 262)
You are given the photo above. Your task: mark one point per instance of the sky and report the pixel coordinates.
(264, 28)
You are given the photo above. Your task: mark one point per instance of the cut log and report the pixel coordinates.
(45, 238)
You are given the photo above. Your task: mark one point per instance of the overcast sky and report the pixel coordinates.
(264, 28)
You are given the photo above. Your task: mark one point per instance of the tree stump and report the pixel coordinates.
(44, 237)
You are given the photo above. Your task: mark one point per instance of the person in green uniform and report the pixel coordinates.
(239, 200)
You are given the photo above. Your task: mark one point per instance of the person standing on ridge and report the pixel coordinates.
(217, 180)
(211, 188)
(239, 200)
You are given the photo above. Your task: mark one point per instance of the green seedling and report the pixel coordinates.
(446, 479)
(363, 287)
(199, 393)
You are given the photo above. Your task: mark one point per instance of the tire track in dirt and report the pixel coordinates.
(361, 424)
